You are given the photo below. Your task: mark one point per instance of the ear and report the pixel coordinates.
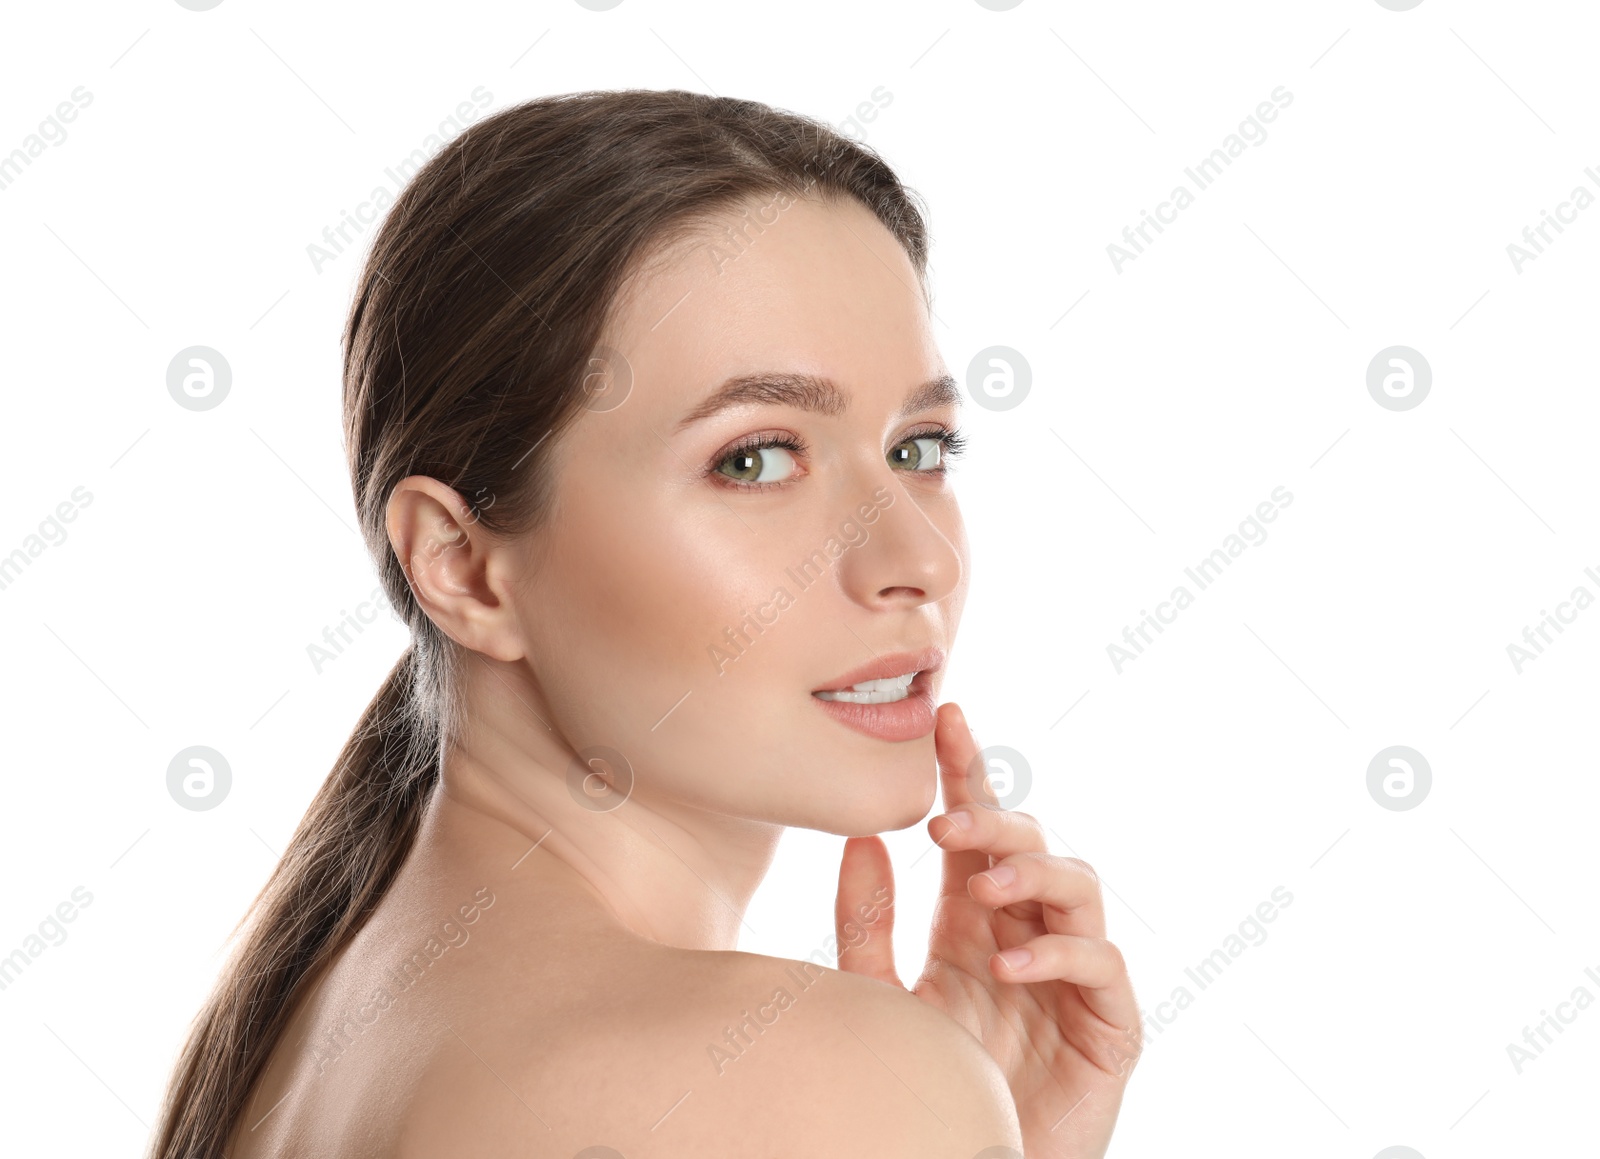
(456, 568)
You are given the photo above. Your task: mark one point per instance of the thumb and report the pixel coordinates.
(863, 911)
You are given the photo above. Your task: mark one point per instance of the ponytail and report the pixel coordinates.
(342, 857)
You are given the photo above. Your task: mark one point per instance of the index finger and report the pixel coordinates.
(962, 776)
(958, 755)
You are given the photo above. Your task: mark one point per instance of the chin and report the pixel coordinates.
(890, 803)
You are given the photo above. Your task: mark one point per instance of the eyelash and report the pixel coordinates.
(952, 444)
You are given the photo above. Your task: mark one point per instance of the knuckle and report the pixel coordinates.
(1082, 867)
(1113, 956)
(1029, 821)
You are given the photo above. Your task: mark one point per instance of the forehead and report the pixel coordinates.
(792, 284)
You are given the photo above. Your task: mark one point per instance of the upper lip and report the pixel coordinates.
(892, 664)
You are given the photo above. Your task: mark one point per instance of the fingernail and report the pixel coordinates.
(961, 819)
(1002, 875)
(1017, 958)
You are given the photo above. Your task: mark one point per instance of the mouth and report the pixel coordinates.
(885, 691)
(890, 698)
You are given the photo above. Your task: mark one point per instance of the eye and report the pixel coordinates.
(920, 454)
(927, 452)
(758, 462)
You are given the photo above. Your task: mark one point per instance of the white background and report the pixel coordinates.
(1167, 401)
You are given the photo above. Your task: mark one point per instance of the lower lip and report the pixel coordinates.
(906, 719)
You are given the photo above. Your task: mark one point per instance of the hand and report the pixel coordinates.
(1065, 1027)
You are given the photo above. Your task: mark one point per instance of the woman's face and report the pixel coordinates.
(691, 593)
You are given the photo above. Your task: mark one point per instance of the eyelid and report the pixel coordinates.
(759, 440)
(951, 432)
(952, 445)
(788, 441)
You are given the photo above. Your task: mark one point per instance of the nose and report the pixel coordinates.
(906, 559)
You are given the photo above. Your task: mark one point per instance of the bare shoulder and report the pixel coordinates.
(711, 1054)
(884, 1072)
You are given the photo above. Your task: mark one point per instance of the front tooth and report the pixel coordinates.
(884, 691)
(884, 684)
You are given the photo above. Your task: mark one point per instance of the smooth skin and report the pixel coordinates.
(597, 999)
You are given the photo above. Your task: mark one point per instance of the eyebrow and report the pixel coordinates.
(809, 392)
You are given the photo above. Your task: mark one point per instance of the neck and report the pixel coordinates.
(663, 870)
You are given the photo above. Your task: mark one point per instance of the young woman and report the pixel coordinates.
(648, 433)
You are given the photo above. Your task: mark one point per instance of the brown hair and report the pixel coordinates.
(473, 326)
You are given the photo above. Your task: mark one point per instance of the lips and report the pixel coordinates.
(893, 664)
(907, 719)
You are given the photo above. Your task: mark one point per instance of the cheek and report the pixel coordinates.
(631, 605)
(643, 594)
